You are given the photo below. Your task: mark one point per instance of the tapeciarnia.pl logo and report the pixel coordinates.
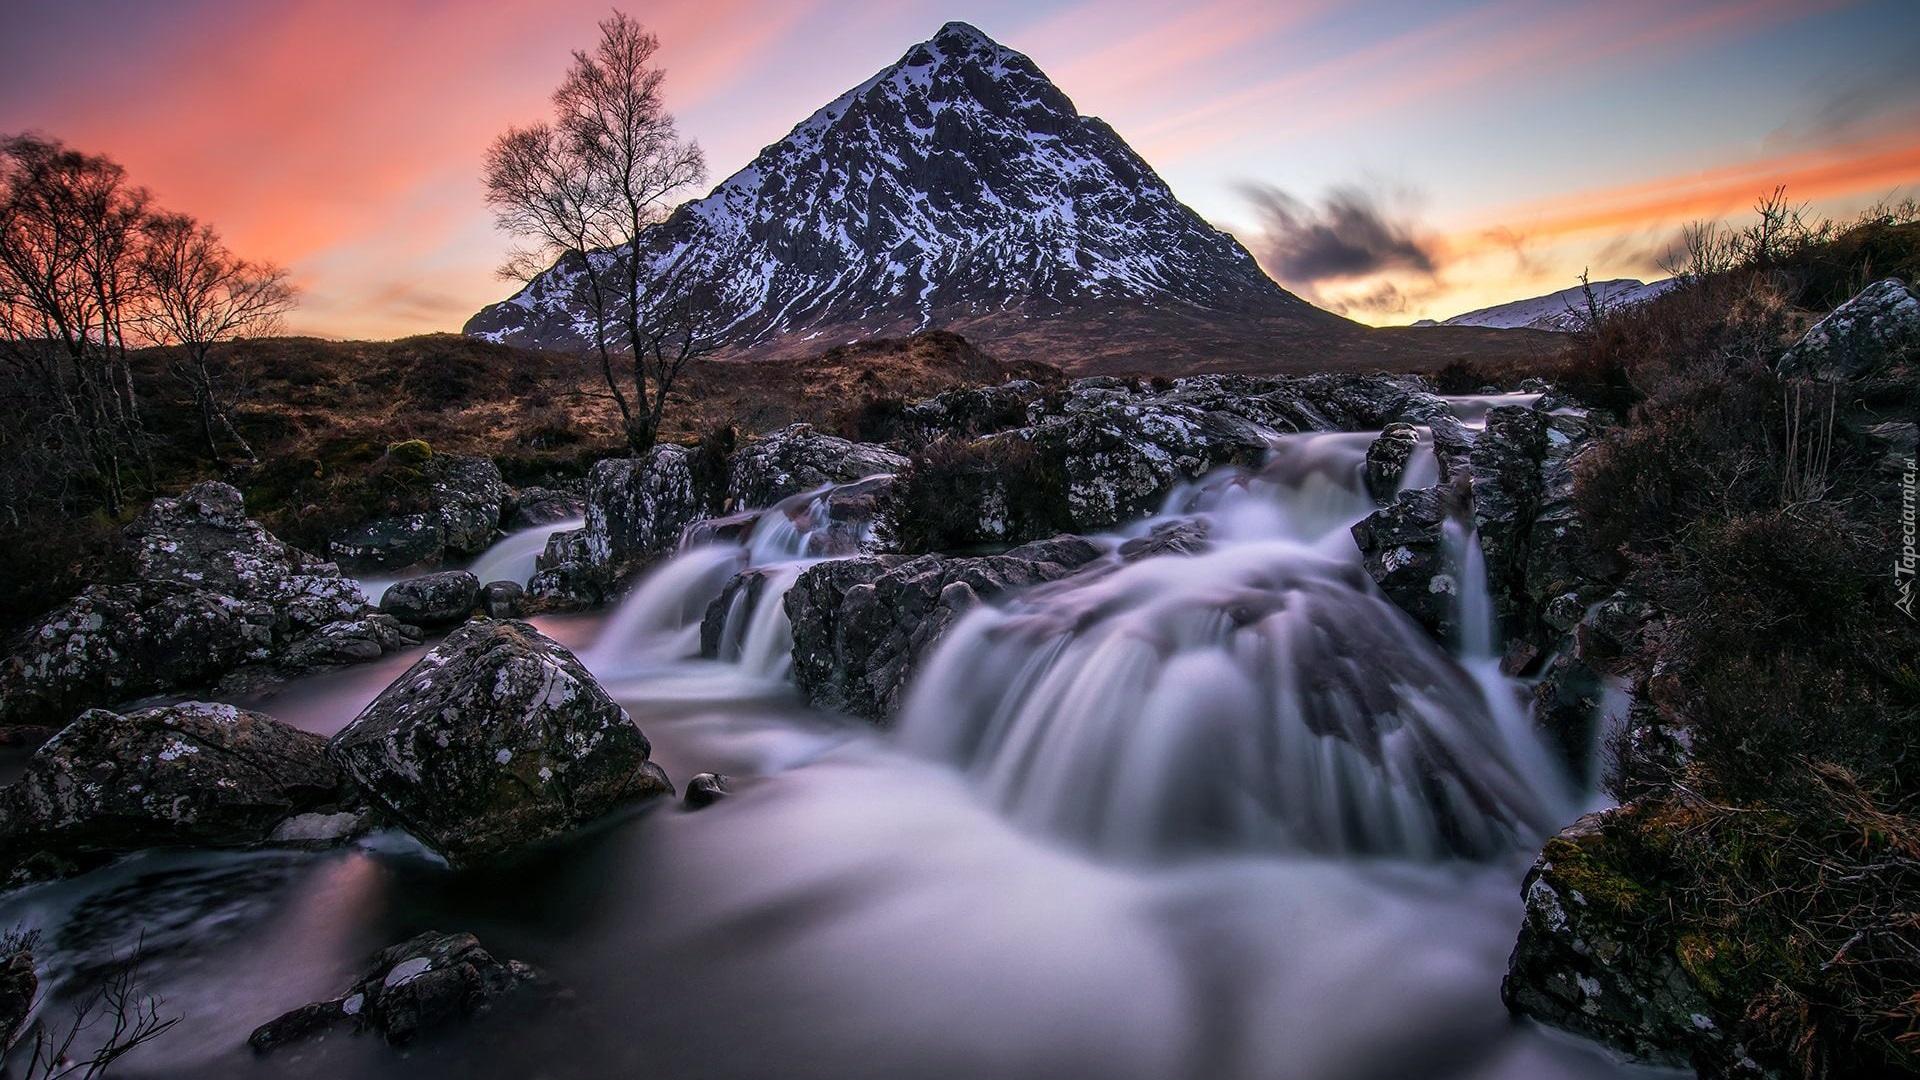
(1904, 566)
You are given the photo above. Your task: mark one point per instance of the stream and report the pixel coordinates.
(1197, 817)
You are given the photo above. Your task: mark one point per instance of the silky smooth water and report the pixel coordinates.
(1203, 817)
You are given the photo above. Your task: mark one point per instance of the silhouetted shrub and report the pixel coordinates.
(964, 494)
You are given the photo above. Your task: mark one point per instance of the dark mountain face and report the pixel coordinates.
(957, 187)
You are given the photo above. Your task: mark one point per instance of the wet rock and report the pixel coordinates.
(1879, 325)
(1387, 459)
(349, 641)
(1506, 494)
(637, 507)
(390, 543)
(433, 599)
(1405, 551)
(1188, 537)
(532, 507)
(565, 577)
(113, 643)
(1118, 459)
(861, 626)
(728, 529)
(798, 458)
(496, 739)
(723, 626)
(19, 985)
(1585, 964)
(188, 774)
(706, 789)
(1566, 708)
(502, 599)
(420, 985)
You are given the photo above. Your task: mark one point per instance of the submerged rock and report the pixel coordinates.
(861, 626)
(496, 739)
(706, 789)
(421, 984)
(188, 774)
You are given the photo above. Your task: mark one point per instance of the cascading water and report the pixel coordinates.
(1258, 696)
(854, 912)
(659, 623)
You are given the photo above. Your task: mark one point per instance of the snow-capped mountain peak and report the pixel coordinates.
(956, 182)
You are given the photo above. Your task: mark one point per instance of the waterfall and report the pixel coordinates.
(513, 558)
(660, 621)
(1259, 695)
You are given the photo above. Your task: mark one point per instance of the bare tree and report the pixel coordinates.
(197, 294)
(70, 225)
(584, 190)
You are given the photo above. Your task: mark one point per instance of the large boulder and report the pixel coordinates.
(862, 626)
(469, 499)
(204, 540)
(188, 774)
(113, 643)
(423, 983)
(1387, 458)
(637, 507)
(349, 641)
(1118, 458)
(1880, 324)
(496, 739)
(1586, 961)
(798, 458)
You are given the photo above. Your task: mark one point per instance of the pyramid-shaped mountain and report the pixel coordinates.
(958, 189)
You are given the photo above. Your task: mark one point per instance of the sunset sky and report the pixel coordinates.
(1511, 144)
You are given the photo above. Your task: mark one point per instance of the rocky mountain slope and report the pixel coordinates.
(957, 188)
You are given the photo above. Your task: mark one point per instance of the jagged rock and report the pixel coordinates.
(433, 599)
(502, 599)
(1405, 550)
(565, 578)
(496, 739)
(1566, 708)
(349, 641)
(798, 458)
(1561, 575)
(204, 540)
(729, 529)
(1387, 459)
(1584, 963)
(706, 789)
(1118, 458)
(1506, 493)
(469, 497)
(532, 507)
(194, 773)
(861, 626)
(1878, 325)
(637, 507)
(421, 984)
(113, 643)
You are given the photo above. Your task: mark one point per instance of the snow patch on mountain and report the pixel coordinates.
(1564, 311)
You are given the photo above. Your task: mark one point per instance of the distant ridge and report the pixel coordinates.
(1561, 311)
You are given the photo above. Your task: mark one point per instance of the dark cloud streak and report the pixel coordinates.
(1349, 235)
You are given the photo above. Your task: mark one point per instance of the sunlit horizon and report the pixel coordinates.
(1514, 145)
